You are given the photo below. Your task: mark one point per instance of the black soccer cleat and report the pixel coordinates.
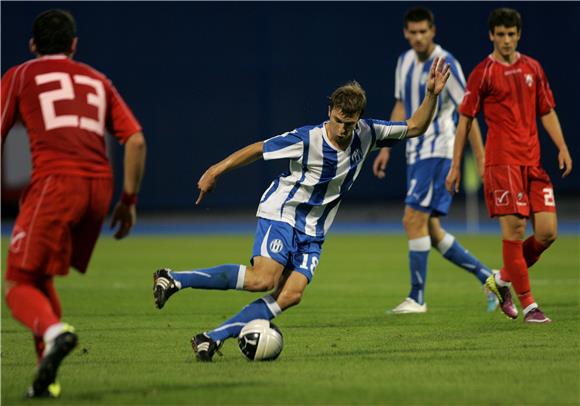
(44, 385)
(204, 347)
(163, 286)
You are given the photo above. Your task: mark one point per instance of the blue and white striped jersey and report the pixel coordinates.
(307, 196)
(410, 78)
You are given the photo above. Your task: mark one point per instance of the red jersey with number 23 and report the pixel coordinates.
(511, 97)
(66, 106)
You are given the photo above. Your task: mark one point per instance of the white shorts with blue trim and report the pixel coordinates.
(287, 246)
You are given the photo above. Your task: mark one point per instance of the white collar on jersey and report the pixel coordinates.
(518, 55)
(55, 56)
(436, 51)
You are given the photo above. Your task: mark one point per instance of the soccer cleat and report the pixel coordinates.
(492, 300)
(410, 306)
(204, 347)
(536, 316)
(504, 296)
(163, 286)
(45, 385)
(52, 392)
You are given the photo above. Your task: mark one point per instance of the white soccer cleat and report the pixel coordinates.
(410, 306)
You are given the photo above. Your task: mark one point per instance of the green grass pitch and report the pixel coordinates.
(340, 345)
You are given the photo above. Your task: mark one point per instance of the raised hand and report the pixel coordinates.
(438, 75)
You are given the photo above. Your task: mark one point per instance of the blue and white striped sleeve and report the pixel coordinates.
(388, 133)
(398, 81)
(289, 145)
(456, 84)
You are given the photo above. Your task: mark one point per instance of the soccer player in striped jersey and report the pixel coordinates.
(429, 159)
(513, 89)
(298, 208)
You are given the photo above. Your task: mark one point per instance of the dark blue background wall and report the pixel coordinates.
(205, 79)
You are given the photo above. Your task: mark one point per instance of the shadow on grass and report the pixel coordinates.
(152, 391)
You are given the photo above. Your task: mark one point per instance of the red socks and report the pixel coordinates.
(517, 271)
(33, 307)
(532, 250)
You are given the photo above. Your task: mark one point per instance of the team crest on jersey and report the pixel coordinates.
(356, 156)
(16, 239)
(529, 79)
(276, 246)
(502, 197)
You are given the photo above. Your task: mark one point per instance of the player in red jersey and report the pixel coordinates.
(66, 107)
(512, 89)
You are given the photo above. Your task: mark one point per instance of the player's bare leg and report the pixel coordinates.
(290, 290)
(545, 233)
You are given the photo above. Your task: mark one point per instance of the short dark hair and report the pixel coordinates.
(417, 14)
(350, 98)
(53, 32)
(508, 17)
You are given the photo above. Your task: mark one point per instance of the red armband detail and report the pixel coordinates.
(129, 199)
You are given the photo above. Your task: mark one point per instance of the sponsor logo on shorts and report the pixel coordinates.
(502, 197)
(276, 246)
(16, 239)
(519, 197)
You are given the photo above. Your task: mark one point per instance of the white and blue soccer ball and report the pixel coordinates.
(261, 340)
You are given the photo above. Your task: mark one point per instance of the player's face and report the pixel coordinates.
(340, 126)
(420, 35)
(505, 40)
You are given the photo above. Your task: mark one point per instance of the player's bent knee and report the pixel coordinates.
(289, 298)
(259, 283)
(547, 238)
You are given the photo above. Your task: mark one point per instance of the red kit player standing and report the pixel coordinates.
(66, 107)
(512, 89)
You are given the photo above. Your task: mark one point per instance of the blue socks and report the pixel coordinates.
(454, 252)
(221, 277)
(263, 308)
(418, 254)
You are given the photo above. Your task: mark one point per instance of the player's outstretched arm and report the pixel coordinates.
(551, 123)
(240, 158)
(125, 212)
(421, 119)
(454, 176)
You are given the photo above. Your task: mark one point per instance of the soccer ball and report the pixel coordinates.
(260, 340)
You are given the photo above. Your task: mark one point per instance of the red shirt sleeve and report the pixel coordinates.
(544, 97)
(121, 121)
(9, 88)
(474, 92)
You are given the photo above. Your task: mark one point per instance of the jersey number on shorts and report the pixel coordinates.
(66, 92)
(549, 196)
(313, 263)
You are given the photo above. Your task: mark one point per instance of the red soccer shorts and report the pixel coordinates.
(58, 225)
(515, 189)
